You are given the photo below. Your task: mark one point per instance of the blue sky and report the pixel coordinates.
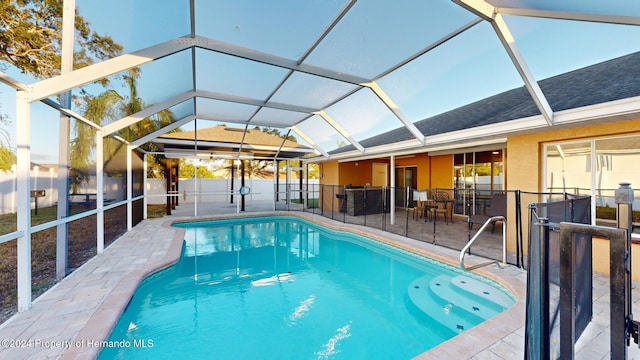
(470, 67)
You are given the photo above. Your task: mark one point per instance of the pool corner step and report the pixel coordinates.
(482, 290)
(436, 308)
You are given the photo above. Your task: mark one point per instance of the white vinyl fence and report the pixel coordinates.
(215, 190)
(212, 190)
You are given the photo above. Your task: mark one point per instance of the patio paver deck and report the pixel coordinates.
(70, 320)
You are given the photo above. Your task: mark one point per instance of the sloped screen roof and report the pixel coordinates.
(351, 78)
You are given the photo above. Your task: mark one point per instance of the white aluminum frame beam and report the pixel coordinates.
(156, 108)
(432, 46)
(490, 13)
(564, 15)
(70, 113)
(269, 59)
(103, 69)
(145, 113)
(163, 131)
(386, 100)
(83, 76)
(249, 147)
(340, 130)
(309, 141)
(255, 102)
(501, 29)
(345, 9)
(13, 83)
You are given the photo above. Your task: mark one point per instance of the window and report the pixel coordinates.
(476, 177)
(595, 167)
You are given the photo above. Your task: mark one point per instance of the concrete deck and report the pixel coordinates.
(70, 320)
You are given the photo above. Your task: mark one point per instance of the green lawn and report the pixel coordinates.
(81, 247)
(311, 203)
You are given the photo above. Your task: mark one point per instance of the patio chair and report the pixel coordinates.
(420, 198)
(442, 205)
(498, 207)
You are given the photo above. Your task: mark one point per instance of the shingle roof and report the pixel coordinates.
(224, 140)
(607, 81)
(221, 133)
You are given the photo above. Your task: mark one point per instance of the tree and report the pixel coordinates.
(110, 105)
(31, 41)
(7, 155)
(31, 38)
(188, 171)
(276, 132)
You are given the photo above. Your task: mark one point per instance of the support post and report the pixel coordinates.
(620, 269)
(543, 304)
(167, 175)
(99, 192)
(567, 299)
(393, 191)
(144, 186)
(242, 183)
(63, 191)
(233, 178)
(129, 188)
(66, 66)
(618, 325)
(23, 190)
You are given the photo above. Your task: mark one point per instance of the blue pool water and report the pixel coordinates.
(284, 288)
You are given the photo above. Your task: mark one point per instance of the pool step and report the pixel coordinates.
(445, 313)
(482, 290)
(459, 302)
(472, 296)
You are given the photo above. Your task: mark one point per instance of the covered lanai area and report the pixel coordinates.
(314, 95)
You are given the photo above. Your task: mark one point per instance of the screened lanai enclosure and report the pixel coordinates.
(115, 112)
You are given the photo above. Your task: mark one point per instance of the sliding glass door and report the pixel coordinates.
(476, 176)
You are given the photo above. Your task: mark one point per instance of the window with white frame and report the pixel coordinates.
(595, 167)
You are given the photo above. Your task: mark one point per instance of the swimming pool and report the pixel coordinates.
(281, 287)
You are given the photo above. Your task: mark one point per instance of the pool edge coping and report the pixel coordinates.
(106, 315)
(464, 345)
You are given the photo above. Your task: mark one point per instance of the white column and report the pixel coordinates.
(195, 187)
(66, 66)
(393, 189)
(144, 187)
(99, 192)
(23, 155)
(129, 188)
(276, 173)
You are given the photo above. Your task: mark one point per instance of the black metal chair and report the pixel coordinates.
(442, 205)
(498, 207)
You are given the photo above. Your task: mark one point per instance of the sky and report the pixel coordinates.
(469, 67)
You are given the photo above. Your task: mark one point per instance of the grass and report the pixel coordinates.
(311, 203)
(609, 213)
(156, 211)
(81, 247)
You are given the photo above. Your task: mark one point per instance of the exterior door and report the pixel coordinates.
(380, 176)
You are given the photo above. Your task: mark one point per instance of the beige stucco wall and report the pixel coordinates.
(329, 173)
(524, 172)
(442, 171)
(422, 162)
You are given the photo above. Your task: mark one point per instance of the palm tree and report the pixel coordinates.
(7, 155)
(111, 106)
